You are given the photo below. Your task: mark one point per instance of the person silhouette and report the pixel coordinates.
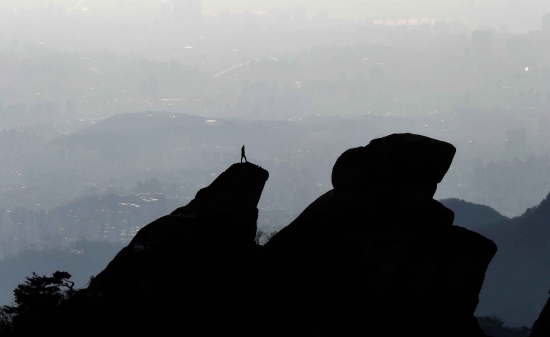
(243, 156)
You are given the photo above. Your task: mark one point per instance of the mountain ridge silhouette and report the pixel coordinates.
(377, 246)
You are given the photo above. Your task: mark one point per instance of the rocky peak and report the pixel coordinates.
(396, 162)
(379, 246)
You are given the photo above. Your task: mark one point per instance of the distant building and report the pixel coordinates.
(299, 14)
(520, 49)
(378, 73)
(70, 107)
(517, 138)
(165, 11)
(188, 12)
(482, 44)
(546, 23)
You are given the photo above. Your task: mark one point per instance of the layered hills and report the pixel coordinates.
(472, 216)
(518, 279)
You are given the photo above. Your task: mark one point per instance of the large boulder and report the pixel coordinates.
(188, 267)
(377, 254)
(393, 161)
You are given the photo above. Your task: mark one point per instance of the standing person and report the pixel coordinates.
(243, 156)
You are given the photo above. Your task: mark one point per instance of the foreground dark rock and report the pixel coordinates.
(377, 254)
(210, 237)
(190, 270)
(542, 324)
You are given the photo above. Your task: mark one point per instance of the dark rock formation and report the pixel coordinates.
(377, 254)
(393, 161)
(189, 267)
(541, 328)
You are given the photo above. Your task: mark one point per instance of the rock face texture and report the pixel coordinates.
(377, 254)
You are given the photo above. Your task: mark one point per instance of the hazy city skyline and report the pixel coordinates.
(516, 15)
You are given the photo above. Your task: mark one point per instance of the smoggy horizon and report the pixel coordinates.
(516, 16)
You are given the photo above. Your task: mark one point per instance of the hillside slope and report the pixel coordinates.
(517, 282)
(470, 216)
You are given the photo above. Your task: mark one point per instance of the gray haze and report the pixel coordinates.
(518, 15)
(114, 113)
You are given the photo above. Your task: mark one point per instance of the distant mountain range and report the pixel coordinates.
(140, 136)
(517, 282)
(473, 216)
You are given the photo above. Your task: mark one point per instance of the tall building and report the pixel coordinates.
(299, 14)
(482, 44)
(187, 11)
(546, 23)
(517, 138)
(165, 11)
